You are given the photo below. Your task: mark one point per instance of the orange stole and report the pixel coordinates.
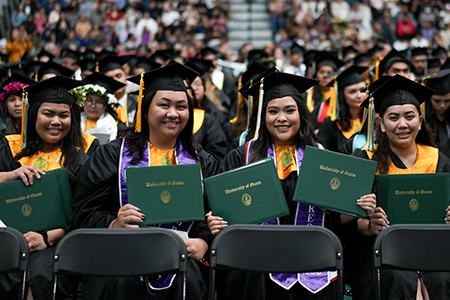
(426, 161)
(286, 161)
(162, 157)
(199, 116)
(90, 124)
(89, 139)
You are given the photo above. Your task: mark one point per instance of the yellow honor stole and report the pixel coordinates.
(44, 161)
(355, 127)
(286, 161)
(90, 124)
(162, 157)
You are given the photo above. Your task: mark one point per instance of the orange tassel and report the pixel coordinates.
(138, 125)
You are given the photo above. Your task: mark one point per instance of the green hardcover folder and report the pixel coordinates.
(167, 194)
(247, 195)
(47, 204)
(414, 198)
(334, 181)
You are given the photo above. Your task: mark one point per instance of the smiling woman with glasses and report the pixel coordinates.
(98, 114)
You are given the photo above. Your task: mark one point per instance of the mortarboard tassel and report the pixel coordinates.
(240, 99)
(260, 102)
(243, 136)
(36, 78)
(138, 122)
(377, 68)
(97, 69)
(370, 145)
(333, 108)
(422, 106)
(309, 100)
(23, 131)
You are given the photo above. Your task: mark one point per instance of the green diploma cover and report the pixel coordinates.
(166, 194)
(247, 195)
(414, 198)
(47, 204)
(334, 181)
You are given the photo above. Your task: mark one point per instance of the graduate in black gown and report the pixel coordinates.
(404, 145)
(161, 135)
(347, 121)
(53, 140)
(282, 136)
(437, 112)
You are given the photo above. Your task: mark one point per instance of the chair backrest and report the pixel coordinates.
(282, 248)
(120, 252)
(422, 247)
(13, 251)
(13, 254)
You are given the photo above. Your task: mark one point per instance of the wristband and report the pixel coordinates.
(45, 236)
(112, 223)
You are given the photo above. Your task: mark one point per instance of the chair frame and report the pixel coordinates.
(14, 255)
(251, 248)
(94, 252)
(400, 246)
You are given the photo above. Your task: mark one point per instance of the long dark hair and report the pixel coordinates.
(344, 112)
(138, 140)
(70, 144)
(241, 122)
(383, 152)
(432, 119)
(9, 120)
(305, 136)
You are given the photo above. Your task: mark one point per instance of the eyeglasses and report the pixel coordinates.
(97, 104)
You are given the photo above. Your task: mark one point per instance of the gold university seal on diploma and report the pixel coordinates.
(26, 210)
(246, 199)
(165, 196)
(335, 183)
(413, 204)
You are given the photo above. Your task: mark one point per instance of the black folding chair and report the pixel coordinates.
(100, 252)
(277, 249)
(14, 255)
(422, 247)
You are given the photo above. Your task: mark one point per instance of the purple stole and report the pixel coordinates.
(182, 157)
(308, 215)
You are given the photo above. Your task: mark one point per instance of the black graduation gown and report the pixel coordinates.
(96, 203)
(212, 138)
(241, 285)
(39, 276)
(211, 109)
(441, 131)
(331, 137)
(394, 284)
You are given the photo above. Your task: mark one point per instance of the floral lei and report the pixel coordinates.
(10, 89)
(100, 91)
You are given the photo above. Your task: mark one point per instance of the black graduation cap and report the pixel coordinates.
(200, 66)
(51, 67)
(18, 78)
(44, 53)
(32, 66)
(438, 81)
(146, 64)
(309, 56)
(208, 51)
(109, 63)
(419, 51)
(111, 85)
(17, 69)
(254, 70)
(88, 54)
(72, 54)
(255, 55)
(164, 55)
(167, 78)
(26, 57)
(373, 87)
(399, 90)
(348, 50)
(360, 58)
(296, 48)
(433, 63)
(87, 64)
(53, 90)
(375, 49)
(327, 59)
(279, 85)
(102, 54)
(245, 90)
(349, 76)
(439, 51)
(392, 57)
(446, 64)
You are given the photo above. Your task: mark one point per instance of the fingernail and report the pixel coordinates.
(359, 200)
(386, 216)
(143, 216)
(388, 222)
(139, 210)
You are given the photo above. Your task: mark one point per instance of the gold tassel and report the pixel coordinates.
(309, 100)
(36, 78)
(422, 106)
(370, 145)
(138, 122)
(23, 137)
(333, 108)
(260, 102)
(377, 68)
(97, 69)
